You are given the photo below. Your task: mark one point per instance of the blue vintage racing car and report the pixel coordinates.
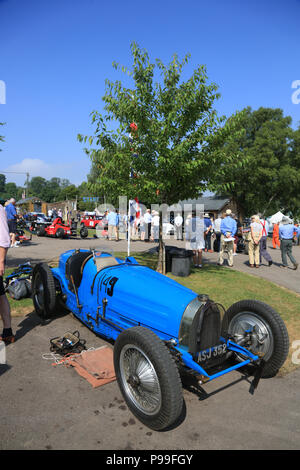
(160, 328)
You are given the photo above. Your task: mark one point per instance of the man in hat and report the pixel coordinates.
(263, 252)
(286, 234)
(207, 233)
(113, 221)
(217, 230)
(228, 230)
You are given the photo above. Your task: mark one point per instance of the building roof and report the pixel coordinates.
(210, 203)
(28, 199)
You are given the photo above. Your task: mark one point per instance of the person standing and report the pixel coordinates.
(178, 226)
(194, 234)
(228, 230)
(7, 335)
(218, 231)
(208, 232)
(275, 236)
(155, 226)
(54, 213)
(147, 219)
(238, 232)
(297, 235)
(112, 220)
(256, 234)
(117, 225)
(286, 234)
(11, 215)
(125, 224)
(142, 228)
(263, 252)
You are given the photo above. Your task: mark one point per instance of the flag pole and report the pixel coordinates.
(128, 230)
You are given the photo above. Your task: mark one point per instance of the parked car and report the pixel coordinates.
(93, 221)
(57, 228)
(160, 328)
(38, 217)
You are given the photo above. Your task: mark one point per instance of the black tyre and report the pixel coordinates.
(259, 328)
(84, 232)
(60, 233)
(43, 291)
(40, 231)
(148, 378)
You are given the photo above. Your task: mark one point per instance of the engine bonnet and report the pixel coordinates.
(140, 294)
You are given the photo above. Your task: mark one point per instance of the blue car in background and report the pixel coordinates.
(161, 329)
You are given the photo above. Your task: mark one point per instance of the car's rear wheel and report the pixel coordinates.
(259, 328)
(40, 231)
(84, 232)
(148, 378)
(60, 233)
(43, 291)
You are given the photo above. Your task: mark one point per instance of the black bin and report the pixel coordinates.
(169, 250)
(181, 262)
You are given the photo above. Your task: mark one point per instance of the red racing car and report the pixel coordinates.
(57, 229)
(92, 221)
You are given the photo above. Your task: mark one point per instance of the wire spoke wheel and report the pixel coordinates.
(148, 377)
(140, 379)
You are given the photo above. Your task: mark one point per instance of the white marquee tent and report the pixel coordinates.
(276, 218)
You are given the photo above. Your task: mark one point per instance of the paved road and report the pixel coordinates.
(51, 407)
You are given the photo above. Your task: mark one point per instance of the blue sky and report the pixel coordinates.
(55, 56)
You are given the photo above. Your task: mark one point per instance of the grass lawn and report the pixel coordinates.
(225, 286)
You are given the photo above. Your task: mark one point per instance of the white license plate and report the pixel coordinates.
(212, 353)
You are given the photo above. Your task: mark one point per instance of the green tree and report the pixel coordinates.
(69, 192)
(52, 190)
(293, 201)
(64, 182)
(12, 190)
(2, 183)
(37, 186)
(179, 137)
(269, 172)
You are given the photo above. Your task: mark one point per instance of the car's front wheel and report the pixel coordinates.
(259, 328)
(148, 378)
